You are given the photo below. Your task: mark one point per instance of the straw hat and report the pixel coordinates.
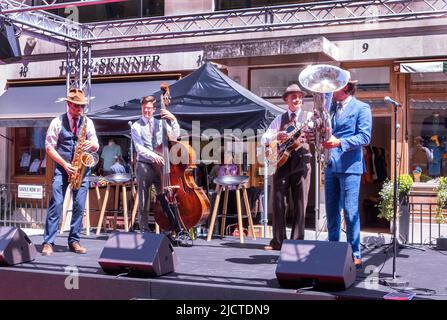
(76, 96)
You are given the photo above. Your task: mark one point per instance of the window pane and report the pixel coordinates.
(30, 151)
(372, 79)
(428, 138)
(428, 81)
(271, 83)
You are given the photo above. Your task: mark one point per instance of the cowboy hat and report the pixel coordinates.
(293, 88)
(76, 96)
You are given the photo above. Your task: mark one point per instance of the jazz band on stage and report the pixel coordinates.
(339, 126)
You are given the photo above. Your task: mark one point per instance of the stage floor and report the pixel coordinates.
(217, 270)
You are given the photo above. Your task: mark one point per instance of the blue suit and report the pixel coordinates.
(342, 175)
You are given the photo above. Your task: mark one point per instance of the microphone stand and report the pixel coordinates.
(132, 171)
(394, 281)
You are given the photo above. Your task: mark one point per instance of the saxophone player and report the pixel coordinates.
(60, 145)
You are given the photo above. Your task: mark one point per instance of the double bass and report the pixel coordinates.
(187, 201)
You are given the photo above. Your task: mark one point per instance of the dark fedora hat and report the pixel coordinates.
(293, 88)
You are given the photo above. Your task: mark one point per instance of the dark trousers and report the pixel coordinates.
(293, 176)
(60, 185)
(147, 175)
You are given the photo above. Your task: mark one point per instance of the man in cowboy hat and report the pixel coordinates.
(60, 144)
(294, 174)
(351, 130)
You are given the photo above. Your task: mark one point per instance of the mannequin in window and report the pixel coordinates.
(108, 154)
(421, 155)
(434, 132)
(434, 125)
(118, 167)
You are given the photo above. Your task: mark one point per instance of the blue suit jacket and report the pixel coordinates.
(353, 128)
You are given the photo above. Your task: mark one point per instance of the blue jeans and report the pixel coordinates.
(342, 192)
(60, 185)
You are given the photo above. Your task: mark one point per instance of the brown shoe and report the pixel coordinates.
(358, 263)
(47, 249)
(76, 248)
(270, 247)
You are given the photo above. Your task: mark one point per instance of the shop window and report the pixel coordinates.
(30, 156)
(430, 81)
(113, 11)
(371, 79)
(428, 138)
(271, 82)
(114, 155)
(241, 4)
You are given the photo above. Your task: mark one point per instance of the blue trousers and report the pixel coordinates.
(342, 192)
(60, 185)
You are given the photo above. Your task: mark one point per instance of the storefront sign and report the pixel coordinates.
(120, 65)
(30, 191)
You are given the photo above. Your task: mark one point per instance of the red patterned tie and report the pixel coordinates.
(75, 126)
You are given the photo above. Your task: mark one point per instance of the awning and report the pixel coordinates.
(422, 67)
(36, 106)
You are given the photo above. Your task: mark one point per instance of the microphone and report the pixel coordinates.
(391, 101)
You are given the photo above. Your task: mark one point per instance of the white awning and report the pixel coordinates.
(422, 67)
(36, 106)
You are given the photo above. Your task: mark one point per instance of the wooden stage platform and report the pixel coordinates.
(215, 270)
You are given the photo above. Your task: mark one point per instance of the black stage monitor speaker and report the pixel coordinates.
(15, 246)
(145, 254)
(9, 44)
(322, 262)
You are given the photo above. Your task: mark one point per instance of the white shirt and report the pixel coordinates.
(344, 103)
(275, 126)
(55, 128)
(173, 133)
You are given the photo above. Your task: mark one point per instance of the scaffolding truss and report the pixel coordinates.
(314, 14)
(79, 37)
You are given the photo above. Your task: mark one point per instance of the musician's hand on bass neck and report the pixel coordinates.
(165, 114)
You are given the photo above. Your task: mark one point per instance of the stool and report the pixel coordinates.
(119, 181)
(225, 182)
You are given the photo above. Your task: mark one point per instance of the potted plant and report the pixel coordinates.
(386, 208)
(442, 199)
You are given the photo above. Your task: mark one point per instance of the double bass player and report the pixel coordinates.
(147, 136)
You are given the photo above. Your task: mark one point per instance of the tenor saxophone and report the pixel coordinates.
(81, 159)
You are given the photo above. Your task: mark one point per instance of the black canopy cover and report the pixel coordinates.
(206, 95)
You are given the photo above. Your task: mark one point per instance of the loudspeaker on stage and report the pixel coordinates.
(145, 254)
(322, 263)
(15, 246)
